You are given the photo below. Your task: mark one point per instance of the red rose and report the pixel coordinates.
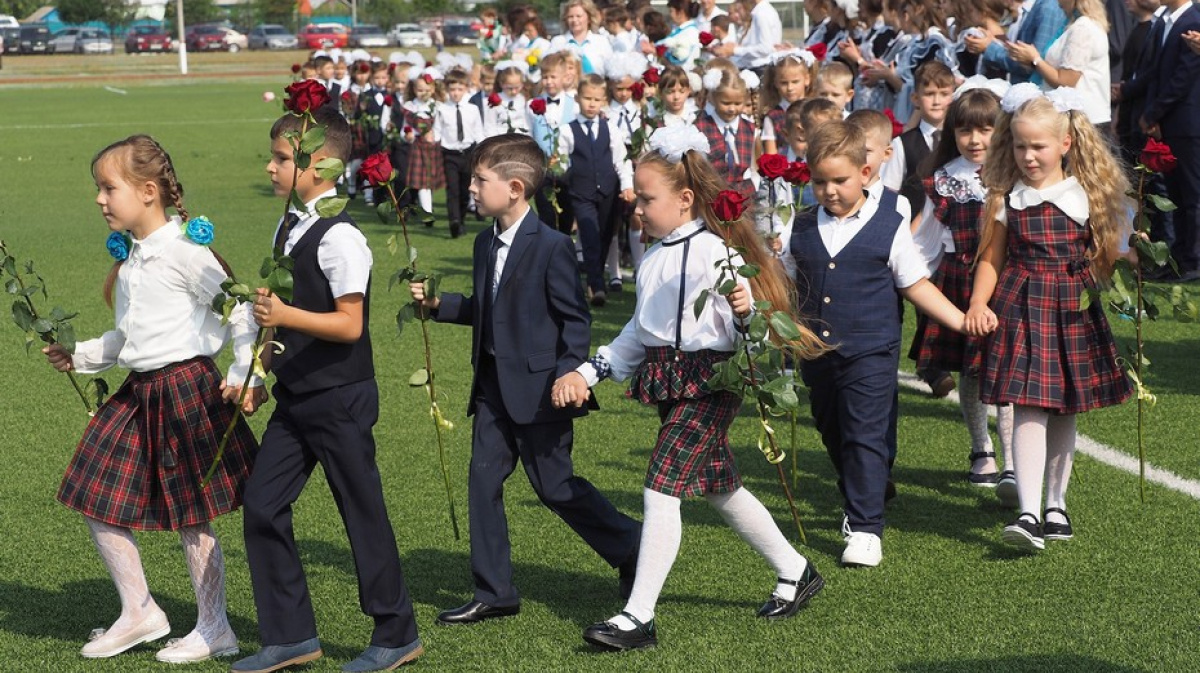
(377, 169)
(389, 100)
(494, 100)
(538, 106)
(364, 67)
(638, 90)
(729, 206)
(305, 96)
(818, 51)
(346, 97)
(772, 166)
(489, 34)
(897, 127)
(295, 68)
(1157, 157)
(408, 129)
(706, 38)
(650, 76)
(428, 78)
(661, 50)
(797, 173)
(391, 68)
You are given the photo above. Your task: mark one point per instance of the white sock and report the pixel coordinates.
(613, 263)
(662, 531)
(974, 413)
(119, 551)
(1004, 428)
(1029, 449)
(636, 248)
(351, 176)
(1060, 454)
(206, 565)
(425, 197)
(753, 523)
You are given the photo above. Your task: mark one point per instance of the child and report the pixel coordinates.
(722, 29)
(683, 42)
(141, 460)
(491, 35)
(1050, 234)
(599, 170)
(374, 111)
(459, 128)
(785, 81)
(675, 91)
(668, 352)
(529, 324)
(510, 115)
(623, 72)
(352, 102)
(954, 207)
(793, 131)
(853, 257)
(558, 110)
(341, 72)
(730, 134)
(618, 25)
(325, 70)
(818, 111)
(326, 401)
(835, 82)
(425, 170)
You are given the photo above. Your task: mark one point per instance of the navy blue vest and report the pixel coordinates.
(851, 298)
(592, 171)
(308, 364)
(915, 152)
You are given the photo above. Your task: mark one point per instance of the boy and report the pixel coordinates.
(817, 111)
(460, 127)
(835, 82)
(598, 168)
(560, 109)
(326, 403)
(722, 30)
(325, 73)
(375, 113)
(793, 131)
(852, 257)
(530, 326)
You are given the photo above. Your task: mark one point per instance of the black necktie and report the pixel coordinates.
(489, 295)
(281, 236)
(937, 138)
(590, 133)
(458, 116)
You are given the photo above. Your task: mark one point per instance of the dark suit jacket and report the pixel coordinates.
(541, 326)
(1173, 90)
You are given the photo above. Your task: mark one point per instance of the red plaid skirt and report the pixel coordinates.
(144, 454)
(943, 348)
(692, 455)
(425, 169)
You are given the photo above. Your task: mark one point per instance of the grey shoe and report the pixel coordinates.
(376, 658)
(274, 657)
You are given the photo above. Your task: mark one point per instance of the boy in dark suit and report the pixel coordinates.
(326, 405)
(531, 326)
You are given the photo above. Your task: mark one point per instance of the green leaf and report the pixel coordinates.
(698, 307)
(29, 291)
(330, 168)
(12, 286)
(1161, 203)
(1086, 297)
(227, 310)
(432, 282)
(386, 211)
(286, 262)
(10, 266)
(787, 400)
(66, 336)
(758, 327)
(312, 140)
(57, 314)
(268, 263)
(280, 282)
(42, 326)
(22, 315)
(218, 304)
(726, 286)
(303, 160)
(101, 388)
(406, 313)
(332, 206)
(748, 271)
(419, 378)
(762, 305)
(393, 244)
(784, 327)
(296, 202)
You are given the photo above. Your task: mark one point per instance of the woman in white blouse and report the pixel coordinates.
(1078, 58)
(582, 19)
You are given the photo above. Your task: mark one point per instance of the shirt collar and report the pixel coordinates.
(506, 237)
(865, 212)
(927, 129)
(1173, 17)
(721, 123)
(310, 207)
(155, 243)
(1067, 195)
(683, 231)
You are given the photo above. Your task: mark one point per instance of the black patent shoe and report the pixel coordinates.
(1056, 531)
(1025, 533)
(987, 480)
(475, 612)
(606, 635)
(809, 584)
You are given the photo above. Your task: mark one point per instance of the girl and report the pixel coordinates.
(509, 115)
(141, 460)
(1055, 209)
(683, 42)
(954, 207)
(425, 172)
(787, 79)
(924, 23)
(668, 352)
(675, 90)
(730, 133)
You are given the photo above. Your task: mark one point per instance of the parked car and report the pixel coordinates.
(459, 33)
(323, 36)
(271, 36)
(410, 35)
(147, 37)
(7, 21)
(205, 38)
(368, 36)
(12, 38)
(33, 38)
(235, 41)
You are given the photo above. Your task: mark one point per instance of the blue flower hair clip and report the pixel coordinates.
(118, 245)
(199, 230)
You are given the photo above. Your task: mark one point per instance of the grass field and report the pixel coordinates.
(949, 597)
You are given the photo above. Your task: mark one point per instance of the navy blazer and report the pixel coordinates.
(541, 326)
(1173, 92)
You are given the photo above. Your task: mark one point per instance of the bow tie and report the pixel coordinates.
(551, 101)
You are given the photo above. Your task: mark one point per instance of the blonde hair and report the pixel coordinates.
(1088, 160)
(588, 6)
(837, 74)
(1094, 10)
(770, 97)
(772, 284)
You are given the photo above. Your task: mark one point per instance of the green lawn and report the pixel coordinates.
(948, 597)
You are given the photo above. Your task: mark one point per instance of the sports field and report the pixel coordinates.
(1123, 596)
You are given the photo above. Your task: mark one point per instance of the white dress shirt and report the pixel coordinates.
(504, 241)
(875, 191)
(343, 254)
(766, 31)
(616, 142)
(892, 172)
(508, 115)
(555, 116)
(445, 125)
(164, 313)
(656, 312)
(1083, 47)
(904, 260)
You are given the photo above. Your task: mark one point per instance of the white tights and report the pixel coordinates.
(1044, 447)
(975, 416)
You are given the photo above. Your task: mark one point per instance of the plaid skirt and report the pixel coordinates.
(425, 169)
(943, 348)
(143, 456)
(1046, 353)
(692, 455)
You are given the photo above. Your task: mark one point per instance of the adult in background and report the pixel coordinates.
(582, 19)
(1039, 24)
(763, 37)
(708, 12)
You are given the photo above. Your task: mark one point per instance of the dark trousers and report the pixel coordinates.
(400, 153)
(593, 218)
(852, 405)
(331, 427)
(545, 209)
(544, 450)
(1183, 185)
(457, 165)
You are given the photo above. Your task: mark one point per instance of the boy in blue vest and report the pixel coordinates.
(598, 166)
(326, 404)
(852, 258)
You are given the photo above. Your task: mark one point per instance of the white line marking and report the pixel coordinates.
(1091, 448)
(151, 122)
(114, 89)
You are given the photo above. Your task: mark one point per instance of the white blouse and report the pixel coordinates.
(164, 313)
(506, 117)
(1083, 47)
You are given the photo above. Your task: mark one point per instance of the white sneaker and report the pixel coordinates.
(862, 549)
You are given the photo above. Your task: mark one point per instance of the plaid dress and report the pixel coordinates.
(143, 456)
(1046, 353)
(942, 348)
(743, 149)
(692, 455)
(425, 170)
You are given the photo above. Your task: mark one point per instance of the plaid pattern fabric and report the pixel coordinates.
(425, 170)
(1046, 353)
(144, 454)
(692, 455)
(778, 117)
(743, 147)
(941, 348)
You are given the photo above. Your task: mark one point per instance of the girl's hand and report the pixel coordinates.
(739, 301)
(570, 388)
(269, 311)
(1192, 40)
(58, 357)
(1023, 53)
(850, 50)
(977, 44)
(254, 398)
(980, 321)
(628, 196)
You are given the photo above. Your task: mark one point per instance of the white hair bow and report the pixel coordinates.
(750, 79)
(999, 87)
(1019, 94)
(712, 79)
(672, 142)
(803, 55)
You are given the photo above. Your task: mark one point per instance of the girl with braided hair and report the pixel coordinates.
(140, 463)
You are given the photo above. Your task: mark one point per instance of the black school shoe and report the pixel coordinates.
(1025, 533)
(809, 584)
(986, 480)
(1056, 531)
(607, 636)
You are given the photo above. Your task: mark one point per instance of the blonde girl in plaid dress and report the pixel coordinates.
(425, 171)
(140, 463)
(1055, 212)
(668, 352)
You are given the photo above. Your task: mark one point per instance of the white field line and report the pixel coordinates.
(1091, 448)
(153, 122)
